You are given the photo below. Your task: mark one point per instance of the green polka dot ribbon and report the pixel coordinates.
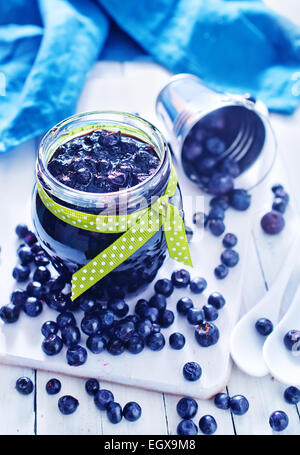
(137, 229)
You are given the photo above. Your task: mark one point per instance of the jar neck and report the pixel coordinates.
(125, 200)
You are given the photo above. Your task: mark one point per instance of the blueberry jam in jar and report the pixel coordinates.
(108, 163)
(223, 141)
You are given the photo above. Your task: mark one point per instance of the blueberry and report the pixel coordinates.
(41, 274)
(217, 300)
(36, 289)
(102, 399)
(124, 331)
(208, 424)
(18, 297)
(206, 166)
(53, 386)
(92, 386)
(198, 285)
(166, 318)
(156, 341)
(56, 284)
(195, 316)
(33, 307)
(207, 334)
(58, 302)
(140, 307)
(192, 151)
(111, 139)
(115, 346)
(90, 325)
(106, 319)
(264, 326)
(192, 371)
(164, 287)
(181, 278)
(88, 305)
(119, 307)
(9, 313)
(216, 213)
(215, 146)
(67, 404)
(239, 199)
(220, 201)
(221, 272)
(281, 194)
(49, 328)
(220, 184)
(155, 327)
(216, 227)
(41, 259)
(279, 205)
(272, 222)
(65, 319)
(177, 341)
(158, 301)
(210, 312)
(230, 167)
(187, 427)
(292, 340)
(292, 395)
(76, 355)
(30, 238)
(230, 257)
(278, 420)
(183, 305)
(96, 343)
(276, 187)
(22, 230)
(52, 344)
(152, 314)
(25, 255)
(239, 404)
(114, 412)
(132, 411)
(200, 219)
(229, 240)
(70, 335)
(221, 401)
(144, 328)
(135, 345)
(21, 273)
(24, 385)
(187, 408)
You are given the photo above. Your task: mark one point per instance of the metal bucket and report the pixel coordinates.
(191, 112)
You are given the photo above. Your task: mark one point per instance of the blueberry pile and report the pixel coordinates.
(103, 161)
(273, 222)
(104, 401)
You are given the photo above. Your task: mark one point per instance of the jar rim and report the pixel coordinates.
(95, 200)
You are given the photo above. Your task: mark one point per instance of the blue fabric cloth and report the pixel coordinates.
(48, 46)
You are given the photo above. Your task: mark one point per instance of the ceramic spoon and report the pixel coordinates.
(246, 343)
(283, 364)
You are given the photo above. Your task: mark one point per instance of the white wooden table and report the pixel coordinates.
(133, 85)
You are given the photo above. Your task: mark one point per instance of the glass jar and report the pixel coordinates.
(70, 247)
(220, 139)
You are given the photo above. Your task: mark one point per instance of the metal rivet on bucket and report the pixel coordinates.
(187, 108)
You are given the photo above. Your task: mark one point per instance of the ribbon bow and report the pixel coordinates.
(138, 228)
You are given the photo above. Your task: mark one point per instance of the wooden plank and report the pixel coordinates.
(17, 412)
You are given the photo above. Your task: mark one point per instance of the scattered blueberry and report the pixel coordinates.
(198, 285)
(124, 330)
(92, 386)
(187, 408)
(192, 371)
(67, 404)
(195, 316)
(76, 355)
(239, 404)
(49, 328)
(135, 345)
(96, 343)
(210, 313)
(115, 346)
(21, 273)
(53, 386)
(24, 385)
(264, 326)
(216, 213)
(221, 401)
(216, 227)
(183, 305)
(166, 318)
(279, 205)
(220, 184)
(70, 335)
(240, 199)
(140, 307)
(220, 201)
(217, 300)
(292, 395)
(41, 274)
(33, 307)
(102, 398)
(22, 231)
(278, 420)
(187, 427)
(180, 278)
(164, 286)
(18, 297)
(90, 324)
(229, 240)
(292, 340)
(65, 319)
(35, 289)
(52, 344)
(230, 257)
(207, 424)
(132, 411)
(177, 340)
(114, 412)
(9, 313)
(156, 341)
(158, 301)
(272, 222)
(207, 334)
(221, 272)
(119, 307)
(25, 255)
